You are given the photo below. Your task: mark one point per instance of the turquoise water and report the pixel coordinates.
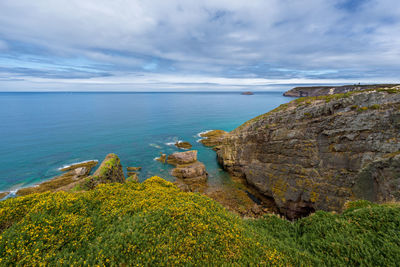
(41, 132)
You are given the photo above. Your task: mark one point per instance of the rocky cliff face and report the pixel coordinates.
(317, 153)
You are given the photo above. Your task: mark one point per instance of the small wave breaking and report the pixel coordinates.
(76, 163)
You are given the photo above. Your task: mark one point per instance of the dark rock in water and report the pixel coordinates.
(182, 157)
(133, 168)
(162, 158)
(184, 145)
(213, 138)
(4, 194)
(132, 178)
(247, 93)
(329, 90)
(110, 171)
(75, 174)
(317, 153)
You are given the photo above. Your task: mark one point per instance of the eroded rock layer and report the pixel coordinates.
(313, 153)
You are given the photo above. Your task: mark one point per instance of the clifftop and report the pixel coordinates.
(311, 154)
(329, 90)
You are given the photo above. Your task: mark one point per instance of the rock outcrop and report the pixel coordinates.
(180, 158)
(213, 138)
(317, 153)
(133, 168)
(162, 158)
(74, 174)
(3, 194)
(133, 178)
(191, 174)
(247, 93)
(330, 90)
(183, 145)
(110, 171)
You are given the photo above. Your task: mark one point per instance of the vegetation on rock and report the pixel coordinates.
(154, 223)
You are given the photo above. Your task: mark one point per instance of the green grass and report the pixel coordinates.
(154, 223)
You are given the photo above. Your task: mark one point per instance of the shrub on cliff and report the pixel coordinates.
(154, 223)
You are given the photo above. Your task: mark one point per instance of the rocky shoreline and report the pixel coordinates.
(314, 153)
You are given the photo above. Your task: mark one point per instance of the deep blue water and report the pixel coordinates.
(41, 132)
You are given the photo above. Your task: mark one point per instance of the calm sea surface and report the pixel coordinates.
(41, 132)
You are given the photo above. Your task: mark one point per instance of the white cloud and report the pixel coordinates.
(211, 37)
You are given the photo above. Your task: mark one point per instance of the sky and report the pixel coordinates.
(178, 45)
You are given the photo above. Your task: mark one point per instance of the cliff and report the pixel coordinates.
(316, 153)
(329, 90)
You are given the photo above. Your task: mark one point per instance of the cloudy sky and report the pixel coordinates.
(137, 45)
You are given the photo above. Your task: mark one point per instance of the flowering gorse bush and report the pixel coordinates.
(154, 223)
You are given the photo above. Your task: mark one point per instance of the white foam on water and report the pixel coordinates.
(170, 143)
(173, 143)
(204, 132)
(155, 145)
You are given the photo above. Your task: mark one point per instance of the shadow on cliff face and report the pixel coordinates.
(297, 209)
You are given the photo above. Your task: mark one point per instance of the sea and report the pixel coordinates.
(42, 132)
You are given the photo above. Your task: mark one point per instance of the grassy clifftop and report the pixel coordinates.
(154, 223)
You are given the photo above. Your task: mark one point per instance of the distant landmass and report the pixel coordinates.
(329, 90)
(247, 93)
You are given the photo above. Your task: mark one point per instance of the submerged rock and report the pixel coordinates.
(162, 158)
(133, 168)
(314, 153)
(184, 145)
(213, 138)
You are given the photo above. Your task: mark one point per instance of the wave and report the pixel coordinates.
(155, 145)
(204, 132)
(173, 143)
(67, 166)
